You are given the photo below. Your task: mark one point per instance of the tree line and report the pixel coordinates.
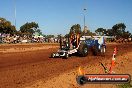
(6, 26)
(76, 28)
(118, 30)
(27, 29)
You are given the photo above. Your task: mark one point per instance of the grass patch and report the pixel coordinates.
(127, 85)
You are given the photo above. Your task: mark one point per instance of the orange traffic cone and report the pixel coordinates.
(81, 71)
(113, 60)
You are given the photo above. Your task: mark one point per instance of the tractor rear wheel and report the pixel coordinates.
(83, 50)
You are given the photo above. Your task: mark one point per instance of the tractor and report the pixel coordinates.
(75, 44)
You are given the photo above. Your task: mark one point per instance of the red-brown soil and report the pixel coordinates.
(26, 64)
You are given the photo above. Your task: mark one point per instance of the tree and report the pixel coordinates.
(87, 32)
(118, 30)
(121, 26)
(126, 34)
(109, 32)
(75, 29)
(66, 36)
(50, 36)
(39, 31)
(100, 31)
(29, 28)
(7, 27)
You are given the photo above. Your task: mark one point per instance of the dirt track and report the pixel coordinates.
(23, 67)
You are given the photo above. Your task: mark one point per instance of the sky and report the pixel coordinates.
(57, 16)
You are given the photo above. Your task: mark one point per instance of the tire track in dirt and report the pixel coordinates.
(22, 69)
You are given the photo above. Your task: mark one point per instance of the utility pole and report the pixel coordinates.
(84, 17)
(15, 12)
(85, 27)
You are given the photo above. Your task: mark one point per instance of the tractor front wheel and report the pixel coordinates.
(83, 50)
(52, 55)
(66, 55)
